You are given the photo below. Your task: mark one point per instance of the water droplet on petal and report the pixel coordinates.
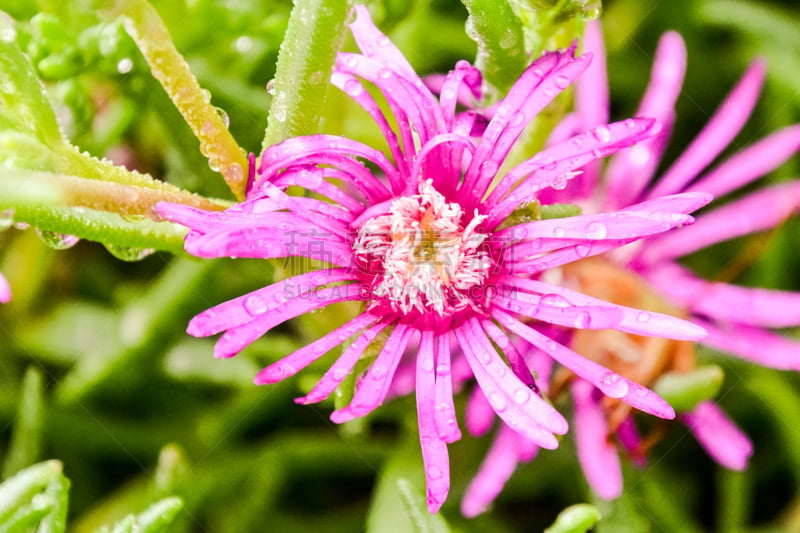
(434, 473)
(641, 391)
(613, 385)
(602, 134)
(643, 316)
(583, 320)
(562, 82)
(596, 230)
(382, 41)
(559, 232)
(560, 182)
(555, 300)
(488, 168)
(255, 305)
(427, 364)
(384, 73)
(57, 241)
(352, 87)
(498, 401)
(517, 119)
(442, 370)
(522, 395)
(583, 250)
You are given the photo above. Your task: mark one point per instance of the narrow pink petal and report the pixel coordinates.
(299, 359)
(500, 462)
(372, 389)
(514, 358)
(561, 257)
(753, 344)
(343, 365)
(463, 75)
(622, 318)
(611, 384)
(553, 166)
(235, 339)
(751, 163)
(631, 170)
(479, 415)
(245, 308)
(322, 149)
(536, 87)
(5, 290)
(592, 100)
(522, 410)
(628, 436)
(314, 179)
(717, 133)
(744, 305)
(596, 453)
(373, 43)
(434, 448)
(353, 88)
(446, 423)
(720, 437)
(761, 210)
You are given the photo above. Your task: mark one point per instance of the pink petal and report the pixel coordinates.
(373, 43)
(628, 436)
(535, 88)
(758, 211)
(313, 179)
(479, 415)
(753, 344)
(721, 301)
(446, 423)
(522, 410)
(610, 383)
(552, 167)
(716, 135)
(5, 290)
(235, 339)
(343, 365)
(723, 441)
(620, 317)
(245, 308)
(434, 449)
(495, 470)
(596, 453)
(631, 170)
(372, 389)
(751, 163)
(299, 359)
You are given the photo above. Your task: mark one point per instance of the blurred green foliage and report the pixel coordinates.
(97, 373)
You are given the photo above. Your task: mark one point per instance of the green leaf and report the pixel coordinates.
(18, 491)
(577, 518)
(501, 44)
(26, 439)
(314, 36)
(684, 390)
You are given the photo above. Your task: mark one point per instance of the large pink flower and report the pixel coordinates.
(419, 238)
(647, 274)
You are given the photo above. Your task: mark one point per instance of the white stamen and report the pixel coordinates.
(423, 258)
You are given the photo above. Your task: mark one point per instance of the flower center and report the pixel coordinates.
(420, 257)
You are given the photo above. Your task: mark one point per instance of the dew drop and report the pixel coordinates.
(377, 372)
(488, 168)
(641, 391)
(124, 65)
(562, 82)
(384, 73)
(555, 300)
(339, 374)
(583, 250)
(255, 305)
(434, 472)
(351, 61)
(522, 395)
(443, 370)
(382, 41)
(271, 87)
(516, 119)
(223, 115)
(243, 44)
(427, 364)
(128, 253)
(613, 385)
(602, 134)
(643, 316)
(57, 241)
(583, 320)
(352, 87)
(559, 232)
(596, 230)
(498, 401)
(560, 182)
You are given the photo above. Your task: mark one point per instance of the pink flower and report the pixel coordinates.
(646, 274)
(422, 245)
(5, 290)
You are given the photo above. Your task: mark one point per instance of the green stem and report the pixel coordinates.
(171, 70)
(313, 37)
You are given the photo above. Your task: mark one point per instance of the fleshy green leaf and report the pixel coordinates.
(314, 36)
(577, 518)
(26, 440)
